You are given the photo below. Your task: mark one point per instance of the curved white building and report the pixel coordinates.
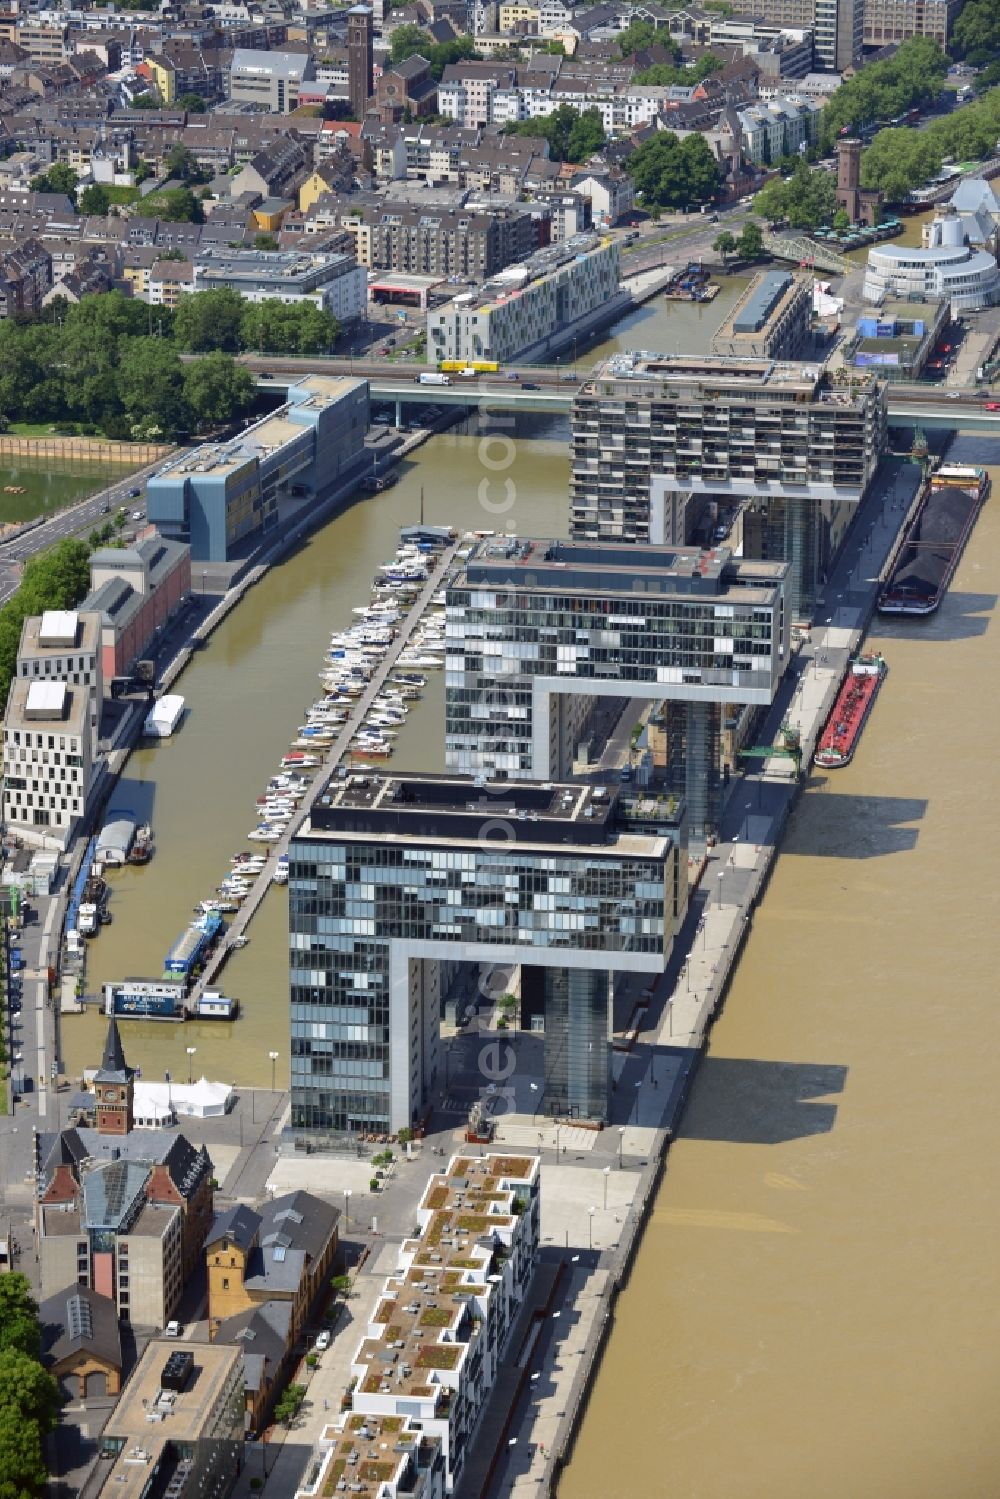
(948, 269)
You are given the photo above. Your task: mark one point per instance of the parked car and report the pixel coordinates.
(323, 1341)
(134, 494)
(137, 515)
(173, 1330)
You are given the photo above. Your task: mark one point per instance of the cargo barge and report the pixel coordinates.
(192, 946)
(928, 554)
(842, 730)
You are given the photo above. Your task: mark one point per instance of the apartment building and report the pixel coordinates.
(466, 91)
(444, 242)
(771, 320)
(656, 434)
(778, 127)
(524, 306)
(534, 626)
(432, 1348)
(392, 876)
(63, 645)
(25, 278)
(392, 1451)
(48, 765)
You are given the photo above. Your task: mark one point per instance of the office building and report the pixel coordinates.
(222, 496)
(947, 269)
(271, 80)
(898, 341)
(656, 437)
(434, 1356)
(522, 308)
(889, 22)
(534, 627)
(136, 591)
(177, 1431)
(391, 876)
(837, 26)
(359, 59)
(333, 282)
(771, 320)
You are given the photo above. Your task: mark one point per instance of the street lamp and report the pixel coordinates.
(607, 1173)
(347, 1208)
(190, 1051)
(635, 1106)
(274, 1057)
(722, 876)
(621, 1143)
(590, 1214)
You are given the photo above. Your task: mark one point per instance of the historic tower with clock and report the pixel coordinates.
(114, 1084)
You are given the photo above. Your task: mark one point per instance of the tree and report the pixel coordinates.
(58, 178)
(806, 200)
(141, 171)
(976, 33)
(210, 320)
(151, 384)
(175, 205)
(19, 1316)
(572, 135)
(664, 74)
(95, 199)
(911, 78)
(841, 221)
(408, 40)
(751, 241)
(217, 389)
(274, 328)
(642, 34)
(670, 173)
(146, 101)
(724, 245)
(23, 1473)
(193, 103)
(290, 1404)
(265, 242)
(181, 164)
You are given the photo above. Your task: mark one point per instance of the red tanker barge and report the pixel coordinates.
(839, 739)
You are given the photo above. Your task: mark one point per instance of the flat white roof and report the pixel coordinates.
(59, 627)
(46, 699)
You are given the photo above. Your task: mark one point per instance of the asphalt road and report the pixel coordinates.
(78, 519)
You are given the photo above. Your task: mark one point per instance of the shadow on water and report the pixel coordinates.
(853, 827)
(963, 616)
(746, 1101)
(137, 797)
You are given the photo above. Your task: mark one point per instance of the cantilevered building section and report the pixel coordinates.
(536, 629)
(392, 875)
(655, 436)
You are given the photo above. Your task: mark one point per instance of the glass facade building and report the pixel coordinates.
(390, 876)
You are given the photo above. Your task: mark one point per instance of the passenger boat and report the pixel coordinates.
(839, 739)
(932, 545)
(142, 848)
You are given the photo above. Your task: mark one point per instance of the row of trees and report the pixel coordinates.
(57, 579)
(125, 384)
(749, 245)
(222, 320)
(899, 160)
(573, 135)
(911, 78)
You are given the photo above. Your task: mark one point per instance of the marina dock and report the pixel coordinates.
(337, 751)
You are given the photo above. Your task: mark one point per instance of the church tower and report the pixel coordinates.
(114, 1086)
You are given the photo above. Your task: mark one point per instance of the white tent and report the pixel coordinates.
(157, 1104)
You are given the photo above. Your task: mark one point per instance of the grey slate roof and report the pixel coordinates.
(239, 1223)
(79, 1320)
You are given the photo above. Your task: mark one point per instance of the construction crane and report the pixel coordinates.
(789, 748)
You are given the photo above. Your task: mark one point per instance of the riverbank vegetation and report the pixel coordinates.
(897, 161)
(29, 1397)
